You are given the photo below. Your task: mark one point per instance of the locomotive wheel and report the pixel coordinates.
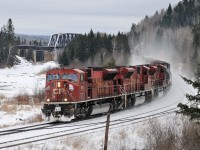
(83, 112)
(133, 100)
(113, 106)
(89, 111)
(120, 103)
(130, 101)
(148, 96)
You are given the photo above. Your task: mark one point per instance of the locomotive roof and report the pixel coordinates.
(78, 70)
(111, 70)
(63, 70)
(146, 67)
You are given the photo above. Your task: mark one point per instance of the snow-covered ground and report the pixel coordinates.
(26, 78)
(23, 78)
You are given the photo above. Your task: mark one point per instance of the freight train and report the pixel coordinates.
(80, 93)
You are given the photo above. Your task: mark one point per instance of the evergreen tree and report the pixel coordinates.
(91, 44)
(63, 59)
(196, 36)
(179, 18)
(84, 51)
(167, 19)
(10, 39)
(196, 44)
(192, 111)
(7, 41)
(3, 46)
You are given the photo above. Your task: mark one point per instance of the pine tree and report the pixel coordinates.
(63, 59)
(167, 19)
(179, 17)
(196, 44)
(196, 36)
(192, 111)
(91, 44)
(3, 46)
(7, 41)
(11, 41)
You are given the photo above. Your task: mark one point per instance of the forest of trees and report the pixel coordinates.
(97, 47)
(172, 33)
(185, 13)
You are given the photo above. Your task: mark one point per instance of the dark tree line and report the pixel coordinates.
(87, 46)
(185, 13)
(7, 41)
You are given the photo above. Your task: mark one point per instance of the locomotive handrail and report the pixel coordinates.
(71, 96)
(122, 90)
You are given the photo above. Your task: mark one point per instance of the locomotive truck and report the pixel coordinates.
(79, 93)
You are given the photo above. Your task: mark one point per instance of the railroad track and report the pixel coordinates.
(72, 128)
(24, 129)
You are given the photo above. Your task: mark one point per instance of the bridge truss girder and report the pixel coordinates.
(61, 39)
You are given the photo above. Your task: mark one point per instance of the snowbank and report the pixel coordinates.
(23, 78)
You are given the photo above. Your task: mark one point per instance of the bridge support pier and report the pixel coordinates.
(34, 56)
(48, 56)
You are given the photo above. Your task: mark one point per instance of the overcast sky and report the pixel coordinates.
(45, 17)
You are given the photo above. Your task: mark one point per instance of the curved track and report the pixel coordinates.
(71, 129)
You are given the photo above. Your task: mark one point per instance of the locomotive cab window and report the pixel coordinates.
(70, 77)
(53, 77)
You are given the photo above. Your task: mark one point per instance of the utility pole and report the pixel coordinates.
(106, 133)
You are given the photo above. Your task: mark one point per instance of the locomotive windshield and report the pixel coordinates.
(70, 77)
(53, 77)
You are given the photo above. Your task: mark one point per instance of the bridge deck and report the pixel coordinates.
(37, 48)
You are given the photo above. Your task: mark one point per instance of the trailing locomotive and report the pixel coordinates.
(79, 93)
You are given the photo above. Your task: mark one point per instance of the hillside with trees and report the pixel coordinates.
(172, 35)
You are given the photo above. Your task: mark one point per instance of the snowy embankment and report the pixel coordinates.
(25, 78)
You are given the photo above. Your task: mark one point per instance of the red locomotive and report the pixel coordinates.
(79, 93)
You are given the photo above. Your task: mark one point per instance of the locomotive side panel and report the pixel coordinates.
(127, 84)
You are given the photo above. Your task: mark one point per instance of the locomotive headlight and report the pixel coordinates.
(58, 84)
(48, 100)
(65, 99)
